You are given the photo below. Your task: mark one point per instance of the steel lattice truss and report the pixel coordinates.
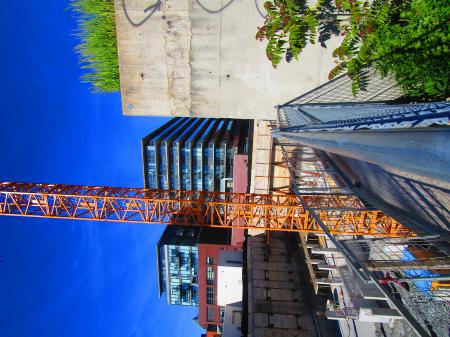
(343, 214)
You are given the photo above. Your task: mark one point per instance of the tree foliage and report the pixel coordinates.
(289, 25)
(406, 39)
(98, 47)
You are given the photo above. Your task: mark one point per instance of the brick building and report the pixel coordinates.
(209, 257)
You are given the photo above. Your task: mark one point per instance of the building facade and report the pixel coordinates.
(201, 155)
(211, 258)
(194, 154)
(177, 265)
(178, 261)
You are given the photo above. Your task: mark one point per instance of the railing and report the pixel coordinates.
(411, 272)
(339, 90)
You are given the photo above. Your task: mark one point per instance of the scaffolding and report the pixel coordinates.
(412, 273)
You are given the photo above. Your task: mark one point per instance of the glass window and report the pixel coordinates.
(194, 291)
(186, 293)
(210, 276)
(210, 314)
(209, 260)
(185, 167)
(210, 295)
(175, 294)
(208, 168)
(222, 314)
(239, 263)
(163, 167)
(174, 167)
(197, 167)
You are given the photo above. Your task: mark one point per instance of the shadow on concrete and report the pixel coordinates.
(328, 25)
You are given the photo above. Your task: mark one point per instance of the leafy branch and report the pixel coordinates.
(406, 39)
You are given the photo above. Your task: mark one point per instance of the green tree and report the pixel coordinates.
(406, 39)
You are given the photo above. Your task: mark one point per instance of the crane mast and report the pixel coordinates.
(342, 214)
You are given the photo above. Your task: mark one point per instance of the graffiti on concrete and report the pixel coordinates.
(156, 6)
(149, 10)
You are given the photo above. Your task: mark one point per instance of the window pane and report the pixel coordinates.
(210, 260)
(210, 295)
(210, 314)
(210, 276)
(222, 314)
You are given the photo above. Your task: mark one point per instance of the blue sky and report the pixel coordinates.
(66, 278)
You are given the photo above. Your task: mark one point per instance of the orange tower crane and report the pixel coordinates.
(342, 214)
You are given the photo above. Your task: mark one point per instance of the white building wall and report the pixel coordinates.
(229, 278)
(232, 321)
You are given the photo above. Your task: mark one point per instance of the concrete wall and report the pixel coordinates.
(276, 305)
(232, 320)
(184, 61)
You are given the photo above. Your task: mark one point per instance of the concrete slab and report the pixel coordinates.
(369, 291)
(328, 281)
(342, 314)
(378, 315)
(316, 261)
(324, 266)
(319, 250)
(197, 58)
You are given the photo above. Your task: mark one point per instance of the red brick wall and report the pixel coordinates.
(209, 250)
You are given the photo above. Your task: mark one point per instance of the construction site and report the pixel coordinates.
(318, 215)
(325, 252)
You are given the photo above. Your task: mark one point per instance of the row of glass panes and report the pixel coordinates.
(183, 293)
(167, 153)
(180, 260)
(202, 160)
(177, 149)
(210, 314)
(210, 275)
(210, 299)
(183, 267)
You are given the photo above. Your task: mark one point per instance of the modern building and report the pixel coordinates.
(194, 154)
(202, 155)
(214, 293)
(178, 261)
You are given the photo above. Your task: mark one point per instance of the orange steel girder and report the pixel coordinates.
(342, 214)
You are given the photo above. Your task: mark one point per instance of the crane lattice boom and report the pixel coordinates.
(342, 214)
